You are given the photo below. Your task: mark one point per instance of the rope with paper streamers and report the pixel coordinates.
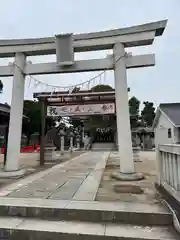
(70, 88)
(98, 79)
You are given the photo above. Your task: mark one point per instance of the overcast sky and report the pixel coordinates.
(43, 18)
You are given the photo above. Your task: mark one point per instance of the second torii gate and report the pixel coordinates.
(64, 47)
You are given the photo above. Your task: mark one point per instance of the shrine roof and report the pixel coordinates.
(80, 97)
(5, 110)
(67, 93)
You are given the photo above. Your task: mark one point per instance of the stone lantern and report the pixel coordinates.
(71, 135)
(78, 138)
(82, 128)
(62, 135)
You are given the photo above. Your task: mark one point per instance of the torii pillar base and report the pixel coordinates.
(127, 176)
(12, 174)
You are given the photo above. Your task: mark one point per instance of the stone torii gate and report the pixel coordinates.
(64, 46)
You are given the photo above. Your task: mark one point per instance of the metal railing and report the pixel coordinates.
(169, 168)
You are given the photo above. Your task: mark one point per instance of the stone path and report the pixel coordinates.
(30, 162)
(78, 179)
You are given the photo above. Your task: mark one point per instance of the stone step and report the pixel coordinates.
(20, 228)
(103, 146)
(103, 150)
(89, 211)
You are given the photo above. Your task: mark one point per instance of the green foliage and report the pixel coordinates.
(76, 122)
(32, 110)
(148, 113)
(134, 104)
(76, 89)
(102, 88)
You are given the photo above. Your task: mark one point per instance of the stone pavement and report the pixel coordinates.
(76, 179)
(30, 162)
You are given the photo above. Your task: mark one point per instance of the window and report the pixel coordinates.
(169, 132)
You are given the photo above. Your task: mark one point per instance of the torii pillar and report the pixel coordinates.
(127, 169)
(15, 127)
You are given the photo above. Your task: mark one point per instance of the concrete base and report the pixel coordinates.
(50, 158)
(12, 174)
(55, 157)
(136, 160)
(127, 176)
(64, 156)
(49, 161)
(127, 188)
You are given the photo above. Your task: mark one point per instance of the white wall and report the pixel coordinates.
(176, 135)
(161, 131)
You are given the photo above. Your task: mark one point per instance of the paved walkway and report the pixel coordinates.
(29, 161)
(77, 179)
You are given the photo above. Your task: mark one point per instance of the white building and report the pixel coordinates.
(167, 124)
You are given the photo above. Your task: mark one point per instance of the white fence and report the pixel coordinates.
(169, 168)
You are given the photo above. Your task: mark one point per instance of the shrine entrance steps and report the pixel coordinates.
(98, 146)
(65, 219)
(61, 204)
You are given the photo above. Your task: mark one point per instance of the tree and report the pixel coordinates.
(1, 86)
(148, 114)
(32, 110)
(102, 88)
(76, 89)
(134, 104)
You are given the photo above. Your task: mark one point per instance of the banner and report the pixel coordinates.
(80, 110)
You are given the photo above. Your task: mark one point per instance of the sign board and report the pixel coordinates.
(80, 110)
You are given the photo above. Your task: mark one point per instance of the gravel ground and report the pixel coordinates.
(147, 167)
